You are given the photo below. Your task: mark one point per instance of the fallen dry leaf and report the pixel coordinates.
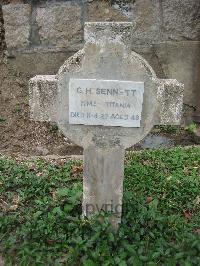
(187, 214)
(149, 199)
(13, 208)
(49, 241)
(197, 231)
(53, 193)
(76, 169)
(61, 162)
(39, 174)
(3, 205)
(197, 201)
(15, 199)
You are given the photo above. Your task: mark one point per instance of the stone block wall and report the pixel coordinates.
(17, 26)
(40, 35)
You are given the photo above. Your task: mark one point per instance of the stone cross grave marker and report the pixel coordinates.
(105, 98)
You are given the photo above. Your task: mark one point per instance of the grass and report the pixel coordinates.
(40, 215)
(175, 129)
(191, 128)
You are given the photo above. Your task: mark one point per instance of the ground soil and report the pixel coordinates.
(17, 132)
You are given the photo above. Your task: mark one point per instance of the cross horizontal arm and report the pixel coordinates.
(170, 97)
(43, 91)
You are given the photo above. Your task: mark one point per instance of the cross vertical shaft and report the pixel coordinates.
(103, 182)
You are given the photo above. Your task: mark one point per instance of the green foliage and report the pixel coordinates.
(53, 128)
(191, 128)
(2, 119)
(171, 129)
(40, 213)
(18, 108)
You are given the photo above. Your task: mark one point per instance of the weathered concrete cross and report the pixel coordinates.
(105, 98)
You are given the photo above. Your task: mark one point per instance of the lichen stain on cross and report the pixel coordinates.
(109, 69)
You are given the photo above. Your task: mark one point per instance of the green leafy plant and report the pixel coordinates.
(18, 108)
(2, 119)
(171, 129)
(41, 223)
(191, 128)
(53, 128)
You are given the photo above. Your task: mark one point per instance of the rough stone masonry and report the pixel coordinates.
(105, 98)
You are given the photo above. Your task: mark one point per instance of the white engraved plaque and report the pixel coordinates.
(105, 102)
